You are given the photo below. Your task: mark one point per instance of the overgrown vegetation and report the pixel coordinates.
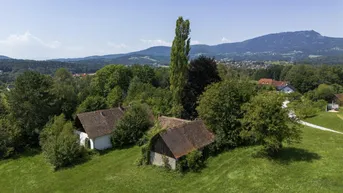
(132, 126)
(60, 145)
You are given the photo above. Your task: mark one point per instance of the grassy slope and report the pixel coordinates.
(329, 120)
(315, 165)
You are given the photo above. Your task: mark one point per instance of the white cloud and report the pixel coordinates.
(29, 46)
(27, 38)
(225, 40)
(156, 42)
(195, 42)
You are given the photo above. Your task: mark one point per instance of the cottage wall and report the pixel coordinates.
(103, 142)
(157, 159)
(159, 146)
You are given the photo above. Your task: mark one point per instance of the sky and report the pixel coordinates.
(45, 29)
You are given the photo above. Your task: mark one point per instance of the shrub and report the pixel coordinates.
(9, 135)
(60, 145)
(306, 108)
(194, 162)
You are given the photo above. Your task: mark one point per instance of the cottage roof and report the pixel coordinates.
(101, 122)
(186, 137)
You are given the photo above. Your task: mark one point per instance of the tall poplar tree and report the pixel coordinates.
(179, 63)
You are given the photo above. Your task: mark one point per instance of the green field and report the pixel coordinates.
(315, 165)
(329, 120)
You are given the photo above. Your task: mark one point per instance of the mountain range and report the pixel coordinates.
(288, 46)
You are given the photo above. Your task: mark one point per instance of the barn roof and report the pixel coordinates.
(168, 122)
(101, 122)
(186, 137)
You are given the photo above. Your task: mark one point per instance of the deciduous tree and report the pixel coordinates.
(202, 72)
(220, 108)
(267, 123)
(32, 103)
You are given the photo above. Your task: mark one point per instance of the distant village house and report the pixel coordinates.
(95, 128)
(281, 86)
(179, 139)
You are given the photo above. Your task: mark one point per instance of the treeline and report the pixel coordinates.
(11, 68)
(37, 98)
(304, 77)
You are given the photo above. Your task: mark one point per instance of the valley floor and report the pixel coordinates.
(314, 165)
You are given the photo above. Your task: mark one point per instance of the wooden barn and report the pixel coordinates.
(95, 128)
(179, 139)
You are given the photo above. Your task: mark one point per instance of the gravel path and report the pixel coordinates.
(292, 115)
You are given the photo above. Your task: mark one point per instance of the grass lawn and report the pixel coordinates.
(329, 120)
(315, 165)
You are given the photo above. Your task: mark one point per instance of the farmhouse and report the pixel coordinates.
(95, 128)
(281, 86)
(179, 139)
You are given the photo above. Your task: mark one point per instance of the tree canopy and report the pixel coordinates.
(267, 123)
(202, 72)
(220, 108)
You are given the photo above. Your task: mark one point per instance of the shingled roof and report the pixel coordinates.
(185, 137)
(101, 122)
(169, 122)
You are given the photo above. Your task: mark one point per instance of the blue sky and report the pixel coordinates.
(43, 29)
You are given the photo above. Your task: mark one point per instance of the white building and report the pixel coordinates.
(95, 128)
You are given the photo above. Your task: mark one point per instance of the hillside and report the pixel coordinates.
(290, 46)
(314, 165)
(307, 46)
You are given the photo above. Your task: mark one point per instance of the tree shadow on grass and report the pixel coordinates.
(27, 152)
(109, 150)
(288, 155)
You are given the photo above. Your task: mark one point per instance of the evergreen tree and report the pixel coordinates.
(178, 63)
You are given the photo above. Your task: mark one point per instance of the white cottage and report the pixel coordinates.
(95, 128)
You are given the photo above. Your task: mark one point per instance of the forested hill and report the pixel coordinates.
(289, 46)
(301, 46)
(45, 67)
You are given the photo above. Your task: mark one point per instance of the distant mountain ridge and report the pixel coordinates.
(289, 46)
(4, 57)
